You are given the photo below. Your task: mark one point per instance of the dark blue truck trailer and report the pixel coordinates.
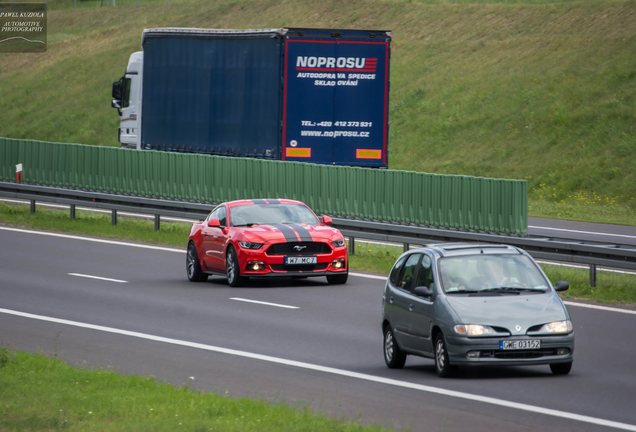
(297, 94)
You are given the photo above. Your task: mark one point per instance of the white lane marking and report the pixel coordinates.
(166, 249)
(583, 232)
(585, 267)
(569, 303)
(95, 240)
(97, 277)
(368, 276)
(263, 303)
(334, 371)
(95, 210)
(603, 308)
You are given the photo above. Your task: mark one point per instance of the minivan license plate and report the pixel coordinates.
(301, 260)
(519, 344)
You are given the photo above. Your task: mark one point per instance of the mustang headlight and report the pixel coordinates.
(474, 330)
(556, 327)
(250, 245)
(338, 243)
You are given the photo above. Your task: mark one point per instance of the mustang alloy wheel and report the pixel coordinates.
(232, 269)
(193, 269)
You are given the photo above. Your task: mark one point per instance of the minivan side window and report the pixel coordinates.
(425, 274)
(407, 280)
(394, 277)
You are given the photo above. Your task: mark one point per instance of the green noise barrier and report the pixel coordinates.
(444, 201)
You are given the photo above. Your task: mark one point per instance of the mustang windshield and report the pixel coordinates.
(492, 274)
(268, 214)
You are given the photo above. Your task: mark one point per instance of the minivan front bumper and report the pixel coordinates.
(465, 350)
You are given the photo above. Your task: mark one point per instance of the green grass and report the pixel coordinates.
(43, 394)
(612, 288)
(534, 89)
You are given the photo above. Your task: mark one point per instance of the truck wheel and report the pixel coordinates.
(193, 269)
(232, 269)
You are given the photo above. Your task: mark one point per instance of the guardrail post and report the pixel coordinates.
(72, 212)
(113, 217)
(405, 247)
(593, 275)
(352, 245)
(32, 206)
(157, 222)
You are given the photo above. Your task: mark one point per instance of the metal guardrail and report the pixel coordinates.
(588, 253)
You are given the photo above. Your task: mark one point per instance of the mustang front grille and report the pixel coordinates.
(298, 248)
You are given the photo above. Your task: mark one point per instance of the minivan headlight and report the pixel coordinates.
(556, 327)
(474, 330)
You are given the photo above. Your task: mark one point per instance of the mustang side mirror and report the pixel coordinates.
(214, 223)
(327, 220)
(562, 286)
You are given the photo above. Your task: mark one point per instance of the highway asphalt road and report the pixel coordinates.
(313, 345)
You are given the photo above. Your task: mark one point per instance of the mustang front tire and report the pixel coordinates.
(337, 279)
(232, 269)
(193, 268)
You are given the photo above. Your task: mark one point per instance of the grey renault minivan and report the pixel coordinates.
(474, 304)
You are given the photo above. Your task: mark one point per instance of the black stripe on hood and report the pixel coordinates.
(288, 232)
(303, 233)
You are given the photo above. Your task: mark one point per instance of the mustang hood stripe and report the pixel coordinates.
(288, 232)
(303, 233)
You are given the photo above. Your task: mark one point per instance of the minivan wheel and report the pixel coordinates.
(394, 357)
(561, 368)
(442, 365)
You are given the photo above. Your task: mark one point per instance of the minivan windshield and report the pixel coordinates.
(490, 273)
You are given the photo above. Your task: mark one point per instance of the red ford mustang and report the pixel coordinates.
(264, 238)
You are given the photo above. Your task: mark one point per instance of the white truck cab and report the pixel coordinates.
(127, 100)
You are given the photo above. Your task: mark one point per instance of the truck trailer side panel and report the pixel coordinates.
(212, 93)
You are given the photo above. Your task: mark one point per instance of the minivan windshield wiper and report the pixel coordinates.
(513, 290)
(466, 291)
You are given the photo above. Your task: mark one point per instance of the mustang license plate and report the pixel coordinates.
(528, 344)
(301, 260)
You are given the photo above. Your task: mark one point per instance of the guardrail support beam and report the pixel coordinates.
(592, 275)
(113, 217)
(32, 206)
(352, 245)
(72, 211)
(157, 222)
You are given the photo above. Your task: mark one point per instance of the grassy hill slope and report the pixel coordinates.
(539, 90)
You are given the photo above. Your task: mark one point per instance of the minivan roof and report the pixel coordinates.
(454, 249)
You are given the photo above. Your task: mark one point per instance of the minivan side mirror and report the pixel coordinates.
(562, 286)
(423, 291)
